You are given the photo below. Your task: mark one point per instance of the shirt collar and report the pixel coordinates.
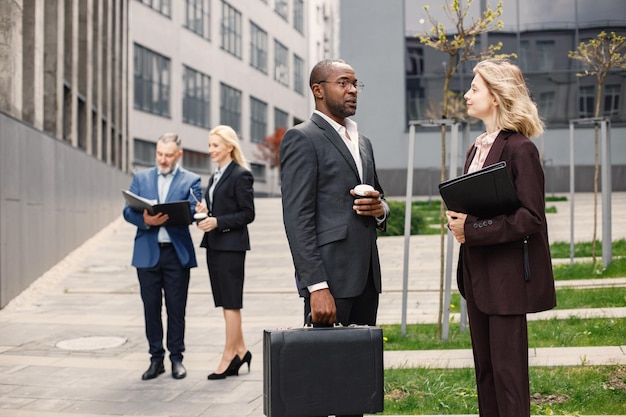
(221, 170)
(351, 125)
(486, 138)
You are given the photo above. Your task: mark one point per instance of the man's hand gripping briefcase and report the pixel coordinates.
(322, 371)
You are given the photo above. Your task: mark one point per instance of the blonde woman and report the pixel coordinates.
(505, 270)
(230, 206)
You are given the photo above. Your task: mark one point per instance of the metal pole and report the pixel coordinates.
(571, 192)
(445, 330)
(463, 319)
(407, 225)
(606, 196)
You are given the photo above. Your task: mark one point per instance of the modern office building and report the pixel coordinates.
(196, 64)
(404, 82)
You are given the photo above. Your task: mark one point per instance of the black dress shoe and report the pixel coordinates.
(178, 370)
(155, 369)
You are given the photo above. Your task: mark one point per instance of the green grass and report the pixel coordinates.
(573, 298)
(587, 270)
(583, 249)
(572, 331)
(597, 390)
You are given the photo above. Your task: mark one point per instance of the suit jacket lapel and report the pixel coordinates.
(496, 149)
(177, 178)
(225, 175)
(494, 153)
(153, 185)
(366, 161)
(334, 138)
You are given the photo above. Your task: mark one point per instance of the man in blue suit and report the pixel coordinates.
(164, 255)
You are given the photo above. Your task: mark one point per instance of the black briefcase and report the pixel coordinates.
(322, 371)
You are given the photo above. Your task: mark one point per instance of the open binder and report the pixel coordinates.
(484, 193)
(179, 211)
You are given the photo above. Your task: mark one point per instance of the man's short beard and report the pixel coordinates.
(166, 171)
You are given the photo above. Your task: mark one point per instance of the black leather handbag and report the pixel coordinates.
(322, 371)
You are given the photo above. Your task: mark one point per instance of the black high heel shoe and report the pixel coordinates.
(247, 358)
(234, 365)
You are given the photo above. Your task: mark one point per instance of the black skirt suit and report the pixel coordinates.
(233, 207)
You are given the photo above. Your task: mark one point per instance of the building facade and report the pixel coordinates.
(63, 70)
(195, 64)
(404, 82)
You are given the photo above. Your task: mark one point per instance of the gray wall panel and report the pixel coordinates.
(53, 197)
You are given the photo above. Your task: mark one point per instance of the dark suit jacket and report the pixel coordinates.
(233, 206)
(328, 240)
(146, 251)
(493, 256)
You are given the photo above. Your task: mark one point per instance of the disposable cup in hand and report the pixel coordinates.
(198, 217)
(360, 190)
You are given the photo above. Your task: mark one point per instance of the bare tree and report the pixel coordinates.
(599, 56)
(460, 46)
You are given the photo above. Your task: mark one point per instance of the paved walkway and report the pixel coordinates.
(73, 344)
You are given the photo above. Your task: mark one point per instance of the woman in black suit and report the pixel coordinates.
(230, 206)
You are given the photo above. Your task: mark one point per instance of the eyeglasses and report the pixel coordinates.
(346, 84)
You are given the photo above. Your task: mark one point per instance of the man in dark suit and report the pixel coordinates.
(332, 234)
(163, 255)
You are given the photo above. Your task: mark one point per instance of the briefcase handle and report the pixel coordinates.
(308, 322)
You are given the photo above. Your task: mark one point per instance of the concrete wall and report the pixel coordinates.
(53, 197)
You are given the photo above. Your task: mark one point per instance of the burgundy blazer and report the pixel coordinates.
(492, 257)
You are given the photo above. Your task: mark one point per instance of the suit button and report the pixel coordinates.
(485, 223)
(475, 225)
(489, 222)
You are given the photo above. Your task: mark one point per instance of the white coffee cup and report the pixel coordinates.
(360, 190)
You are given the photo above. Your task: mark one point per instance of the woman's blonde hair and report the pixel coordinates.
(229, 136)
(516, 111)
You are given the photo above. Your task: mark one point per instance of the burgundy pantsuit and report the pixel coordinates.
(500, 287)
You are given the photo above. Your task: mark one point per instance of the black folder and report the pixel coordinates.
(179, 211)
(484, 193)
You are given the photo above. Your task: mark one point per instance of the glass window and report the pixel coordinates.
(281, 64)
(196, 98)
(546, 104)
(258, 120)
(198, 162)
(282, 8)
(586, 102)
(524, 56)
(545, 55)
(198, 17)
(415, 60)
(231, 29)
(281, 119)
(152, 81)
(144, 152)
(258, 172)
(298, 15)
(611, 100)
(162, 6)
(230, 107)
(298, 74)
(258, 48)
